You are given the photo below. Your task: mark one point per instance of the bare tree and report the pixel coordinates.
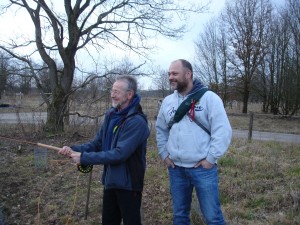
(8, 69)
(161, 81)
(206, 56)
(223, 60)
(295, 5)
(273, 73)
(279, 80)
(83, 25)
(4, 72)
(247, 30)
(211, 58)
(290, 103)
(253, 51)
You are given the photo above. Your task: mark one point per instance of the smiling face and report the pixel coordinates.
(180, 78)
(120, 95)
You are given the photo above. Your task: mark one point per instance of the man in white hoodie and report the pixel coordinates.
(190, 139)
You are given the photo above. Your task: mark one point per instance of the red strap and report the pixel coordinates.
(192, 110)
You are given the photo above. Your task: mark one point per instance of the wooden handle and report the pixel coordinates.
(48, 146)
(83, 169)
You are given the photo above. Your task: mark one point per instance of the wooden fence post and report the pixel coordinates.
(250, 127)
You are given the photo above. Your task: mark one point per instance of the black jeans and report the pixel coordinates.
(121, 204)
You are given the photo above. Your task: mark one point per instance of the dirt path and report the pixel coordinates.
(10, 118)
(268, 136)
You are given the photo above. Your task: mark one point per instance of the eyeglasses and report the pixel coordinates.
(117, 92)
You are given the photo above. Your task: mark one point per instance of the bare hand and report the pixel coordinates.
(205, 164)
(66, 150)
(169, 162)
(76, 157)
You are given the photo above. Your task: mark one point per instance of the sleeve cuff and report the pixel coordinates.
(211, 159)
(164, 155)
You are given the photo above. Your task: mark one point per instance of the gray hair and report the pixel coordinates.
(130, 80)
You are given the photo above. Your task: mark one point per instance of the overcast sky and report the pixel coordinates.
(170, 50)
(167, 50)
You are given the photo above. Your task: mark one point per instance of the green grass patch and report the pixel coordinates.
(295, 171)
(228, 161)
(256, 203)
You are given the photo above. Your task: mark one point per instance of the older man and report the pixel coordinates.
(120, 145)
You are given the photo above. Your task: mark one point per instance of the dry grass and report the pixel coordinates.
(259, 184)
(259, 181)
(267, 123)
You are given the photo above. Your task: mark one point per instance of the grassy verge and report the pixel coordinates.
(259, 184)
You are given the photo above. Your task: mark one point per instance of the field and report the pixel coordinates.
(259, 181)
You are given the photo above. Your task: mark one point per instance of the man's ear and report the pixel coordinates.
(130, 94)
(189, 73)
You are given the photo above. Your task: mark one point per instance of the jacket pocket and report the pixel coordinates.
(117, 176)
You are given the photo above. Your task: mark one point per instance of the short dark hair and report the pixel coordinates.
(130, 80)
(186, 64)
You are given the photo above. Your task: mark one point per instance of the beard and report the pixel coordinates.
(118, 105)
(180, 86)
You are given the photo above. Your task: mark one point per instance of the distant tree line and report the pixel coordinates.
(250, 52)
(10, 83)
(15, 77)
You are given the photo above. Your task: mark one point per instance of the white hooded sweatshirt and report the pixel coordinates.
(186, 143)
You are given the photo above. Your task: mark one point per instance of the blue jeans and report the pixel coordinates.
(206, 183)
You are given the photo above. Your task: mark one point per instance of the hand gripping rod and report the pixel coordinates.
(83, 169)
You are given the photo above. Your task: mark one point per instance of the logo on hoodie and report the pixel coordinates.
(198, 107)
(172, 111)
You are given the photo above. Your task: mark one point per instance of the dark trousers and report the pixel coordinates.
(121, 204)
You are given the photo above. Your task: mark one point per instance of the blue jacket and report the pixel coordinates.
(125, 162)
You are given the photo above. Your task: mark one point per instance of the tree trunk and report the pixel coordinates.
(245, 98)
(245, 104)
(56, 111)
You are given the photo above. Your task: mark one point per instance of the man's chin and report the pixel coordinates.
(173, 87)
(173, 84)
